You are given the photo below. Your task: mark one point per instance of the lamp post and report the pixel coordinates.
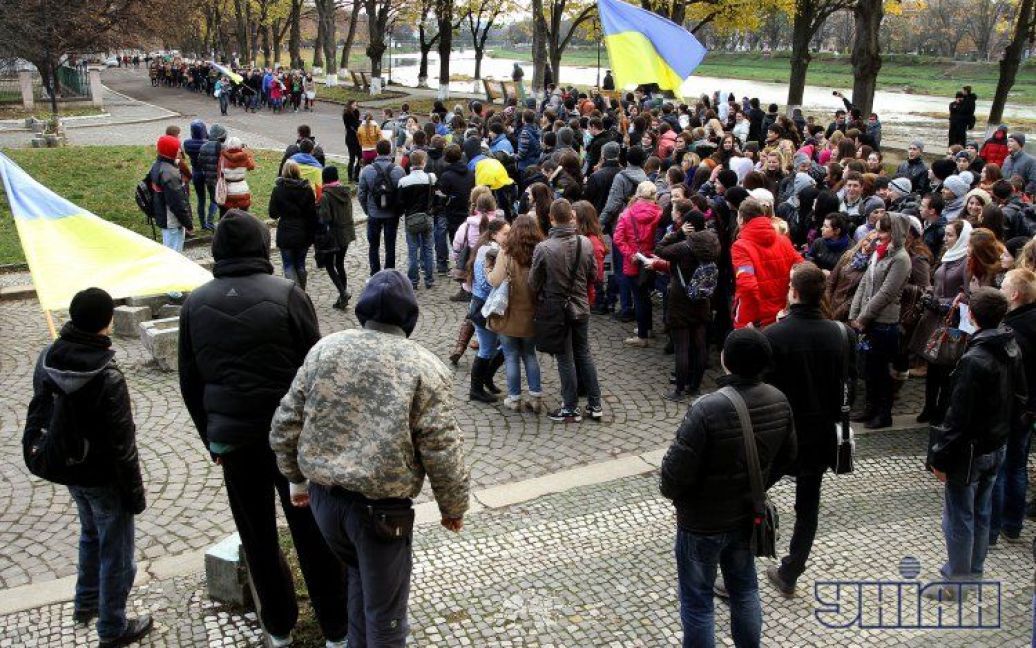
(597, 28)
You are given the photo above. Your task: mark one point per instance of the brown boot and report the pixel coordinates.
(464, 334)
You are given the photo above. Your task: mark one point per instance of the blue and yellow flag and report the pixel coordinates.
(646, 48)
(230, 74)
(69, 249)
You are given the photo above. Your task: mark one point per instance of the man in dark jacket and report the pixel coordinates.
(170, 209)
(600, 138)
(79, 372)
(192, 147)
(704, 474)
(988, 397)
(381, 206)
(915, 169)
(813, 358)
(304, 133)
(529, 149)
(452, 194)
(599, 182)
(755, 121)
(551, 278)
(208, 160)
(1019, 288)
(243, 335)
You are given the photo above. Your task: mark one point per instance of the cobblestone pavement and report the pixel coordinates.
(594, 567)
(187, 509)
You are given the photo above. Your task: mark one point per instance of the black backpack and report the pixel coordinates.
(145, 197)
(384, 193)
(53, 445)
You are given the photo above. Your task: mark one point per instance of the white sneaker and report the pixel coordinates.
(513, 403)
(336, 644)
(273, 641)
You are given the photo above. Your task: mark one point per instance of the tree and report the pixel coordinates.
(380, 15)
(561, 19)
(807, 18)
(444, 20)
(1024, 33)
(326, 43)
(482, 14)
(350, 36)
(295, 34)
(539, 46)
(866, 56)
(426, 39)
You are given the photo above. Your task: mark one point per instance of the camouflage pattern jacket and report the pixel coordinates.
(371, 412)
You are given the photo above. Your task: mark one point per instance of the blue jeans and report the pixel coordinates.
(965, 518)
(575, 359)
(488, 342)
(106, 565)
(224, 101)
(697, 557)
(419, 254)
(1010, 487)
(172, 238)
(294, 263)
(375, 227)
(202, 192)
(518, 350)
(618, 284)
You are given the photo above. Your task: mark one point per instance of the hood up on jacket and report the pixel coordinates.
(338, 192)
(241, 245)
(198, 130)
(900, 228)
(704, 245)
(645, 213)
(388, 299)
(217, 133)
(76, 358)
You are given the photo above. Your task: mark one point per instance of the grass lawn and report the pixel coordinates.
(42, 110)
(102, 180)
(307, 631)
(913, 74)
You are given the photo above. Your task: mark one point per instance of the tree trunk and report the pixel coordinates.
(1023, 30)
(330, 36)
(422, 67)
(800, 56)
(539, 46)
(266, 45)
(318, 44)
(350, 36)
(240, 7)
(866, 57)
(295, 34)
(479, 51)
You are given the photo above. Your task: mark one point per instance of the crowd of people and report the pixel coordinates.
(788, 244)
(274, 89)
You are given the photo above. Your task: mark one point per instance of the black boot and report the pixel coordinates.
(882, 416)
(866, 415)
(478, 390)
(492, 365)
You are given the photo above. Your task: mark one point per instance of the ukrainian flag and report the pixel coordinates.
(230, 74)
(69, 249)
(646, 48)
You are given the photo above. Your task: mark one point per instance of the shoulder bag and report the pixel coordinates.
(845, 440)
(420, 222)
(549, 319)
(946, 344)
(765, 521)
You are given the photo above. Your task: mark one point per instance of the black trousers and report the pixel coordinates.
(336, 270)
(807, 507)
(937, 391)
(690, 353)
(355, 155)
(253, 482)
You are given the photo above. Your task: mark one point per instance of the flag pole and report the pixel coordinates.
(50, 324)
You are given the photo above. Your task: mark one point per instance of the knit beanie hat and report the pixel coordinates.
(943, 168)
(957, 185)
(918, 144)
(746, 353)
(168, 146)
(870, 204)
(388, 298)
(736, 195)
(1018, 137)
(727, 178)
(901, 185)
(92, 309)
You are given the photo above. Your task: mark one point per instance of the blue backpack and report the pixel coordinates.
(703, 282)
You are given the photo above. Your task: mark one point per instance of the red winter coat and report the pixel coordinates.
(647, 215)
(994, 151)
(762, 262)
(599, 251)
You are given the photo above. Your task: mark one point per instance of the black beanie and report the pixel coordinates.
(388, 298)
(746, 353)
(727, 178)
(636, 156)
(91, 310)
(329, 174)
(239, 235)
(943, 168)
(735, 195)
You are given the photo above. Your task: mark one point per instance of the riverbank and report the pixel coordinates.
(908, 74)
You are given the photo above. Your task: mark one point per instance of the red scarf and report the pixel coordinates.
(881, 250)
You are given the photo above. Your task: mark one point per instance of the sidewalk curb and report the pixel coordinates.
(492, 498)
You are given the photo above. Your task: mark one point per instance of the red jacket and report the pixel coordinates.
(647, 215)
(762, 262)
(995, 149)
(599, 252)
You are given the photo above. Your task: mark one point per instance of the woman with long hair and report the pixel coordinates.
(984, 260)
(846, 276)
(992, 218)
(515, 326)
(589, 226)
(489, 357)
(567, 179)
(293, 205)
(540, 198)
(351, 120)
(369, 134)
(464, 243)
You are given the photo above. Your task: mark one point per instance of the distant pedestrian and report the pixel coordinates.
(293, 206)
(336, 231)
(368, 416)
(80, 395)
(378, 196)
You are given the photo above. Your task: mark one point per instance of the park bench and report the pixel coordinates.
(492, 94)
(510, 89)
(366, 81)
(357, 81)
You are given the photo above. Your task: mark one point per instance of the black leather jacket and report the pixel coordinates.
(704, 470)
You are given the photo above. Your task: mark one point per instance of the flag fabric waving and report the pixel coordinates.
(646, 48)
(232, 75)
(69, 248)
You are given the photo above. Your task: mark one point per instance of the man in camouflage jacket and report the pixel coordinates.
(368, 415)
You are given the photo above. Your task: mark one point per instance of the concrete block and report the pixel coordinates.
(208, 264)
(13, 293)
(161, 337)
(169, 310)
(226, 576)
(128, 319)
(154, 302)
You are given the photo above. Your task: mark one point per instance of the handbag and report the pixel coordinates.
(765, 521)
(549, 319)
(845, 439)
(221, 183)
(420, 222)
(496, 303)
(946, 344)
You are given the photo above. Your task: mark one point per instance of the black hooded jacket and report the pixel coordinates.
(82, 367)
(243, 336)
(987, 397)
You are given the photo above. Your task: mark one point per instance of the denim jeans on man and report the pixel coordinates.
(697, 557)
(106, 565)
(294, 264)
(420, 256)
(201, 192)
(224, 101)
(965, 517)
(1011, 485)
(575, 360)
(519, 350)
(375, 227)
(172, 238)
(379, 570)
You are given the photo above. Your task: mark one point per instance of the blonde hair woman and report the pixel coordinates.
(635, 235)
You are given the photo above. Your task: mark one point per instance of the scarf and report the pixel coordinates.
(881, 250)
(960, 248)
